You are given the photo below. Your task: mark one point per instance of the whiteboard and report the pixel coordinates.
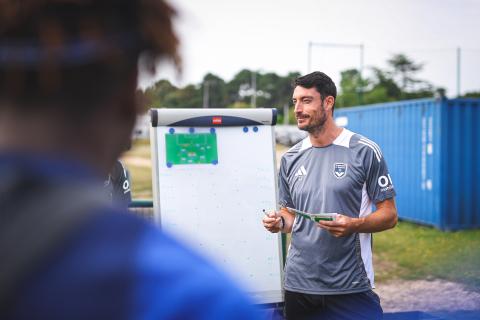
(216, 207)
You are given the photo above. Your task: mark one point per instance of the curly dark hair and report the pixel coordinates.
(58, 52)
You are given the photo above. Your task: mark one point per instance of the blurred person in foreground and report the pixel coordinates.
(68, 75)
(329, 271)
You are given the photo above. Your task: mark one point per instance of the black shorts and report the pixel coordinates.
(353, 306)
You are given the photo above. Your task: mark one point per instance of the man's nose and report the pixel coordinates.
(298, 107)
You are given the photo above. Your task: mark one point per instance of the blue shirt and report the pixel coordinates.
(118, 266)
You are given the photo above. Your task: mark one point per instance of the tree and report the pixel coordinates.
(384, 88)
(157, 93)
(397, 82)
(272, 90)
(240, 83)
(352, 88)
(404, 71)
(187, 97)
(472, 94)
(214, 90)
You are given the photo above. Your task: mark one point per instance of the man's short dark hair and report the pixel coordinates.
(77, 53)
(319, 81)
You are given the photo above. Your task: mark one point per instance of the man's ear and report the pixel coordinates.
(329, 102)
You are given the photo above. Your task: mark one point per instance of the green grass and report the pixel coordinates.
(411, 251)
(141, 182)
(137, 160)
(140, 148)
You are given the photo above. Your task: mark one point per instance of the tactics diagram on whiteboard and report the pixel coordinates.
(191, 148)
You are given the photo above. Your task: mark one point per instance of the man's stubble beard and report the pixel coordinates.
(318, 123)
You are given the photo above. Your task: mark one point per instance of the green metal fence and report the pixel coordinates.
(142, 208)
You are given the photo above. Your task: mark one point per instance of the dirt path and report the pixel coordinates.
(426, 296)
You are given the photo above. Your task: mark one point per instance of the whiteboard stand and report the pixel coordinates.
(213, 172)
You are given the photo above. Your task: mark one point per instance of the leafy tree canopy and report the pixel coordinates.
(397, 82)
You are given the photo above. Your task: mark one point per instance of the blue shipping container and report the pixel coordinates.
(432, 148)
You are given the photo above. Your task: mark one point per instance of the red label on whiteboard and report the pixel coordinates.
(217, 120)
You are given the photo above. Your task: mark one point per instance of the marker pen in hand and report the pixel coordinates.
(282, 220)
(266, 213)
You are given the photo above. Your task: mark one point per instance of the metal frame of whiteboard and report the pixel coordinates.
(260, 115)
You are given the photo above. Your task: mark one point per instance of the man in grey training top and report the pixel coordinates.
(329, 273)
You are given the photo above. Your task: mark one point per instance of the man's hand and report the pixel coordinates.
(341, 227)
(272, 222)
(384, 218)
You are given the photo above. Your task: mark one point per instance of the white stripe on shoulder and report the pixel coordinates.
(306, 143)
(300, 146)
(371, 147)
(343, 138)
(293, 148)
(373, 144)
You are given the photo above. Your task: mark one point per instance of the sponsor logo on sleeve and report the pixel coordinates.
(126, 186)
(385, 183)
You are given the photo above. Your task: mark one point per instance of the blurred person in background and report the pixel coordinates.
(118, 185)
(68, 75)
(329, 271)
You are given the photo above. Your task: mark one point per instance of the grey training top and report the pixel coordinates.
(346, 177)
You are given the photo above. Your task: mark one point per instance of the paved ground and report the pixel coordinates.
(424, 295)
(424, 299)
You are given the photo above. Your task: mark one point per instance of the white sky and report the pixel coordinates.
(223, 37)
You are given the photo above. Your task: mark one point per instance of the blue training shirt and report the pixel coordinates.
(118, 266)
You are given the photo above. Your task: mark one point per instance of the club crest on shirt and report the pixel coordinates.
(339, 170)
